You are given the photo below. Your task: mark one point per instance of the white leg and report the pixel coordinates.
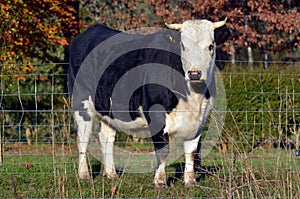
(190, 150)
(84, 129)
(107, 139)
(160, 176)
(160, 179)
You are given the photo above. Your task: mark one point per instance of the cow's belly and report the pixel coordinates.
(182, 125)
(184, 122)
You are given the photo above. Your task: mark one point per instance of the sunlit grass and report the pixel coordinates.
(261, 173)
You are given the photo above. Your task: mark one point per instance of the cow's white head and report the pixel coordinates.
(198, 48)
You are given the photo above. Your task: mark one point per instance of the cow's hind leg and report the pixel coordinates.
(190, 151)
(84, 122)
(107, 139)
(162, 151)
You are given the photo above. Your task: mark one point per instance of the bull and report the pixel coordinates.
(177, 73)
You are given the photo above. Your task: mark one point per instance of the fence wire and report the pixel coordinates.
(263, 109)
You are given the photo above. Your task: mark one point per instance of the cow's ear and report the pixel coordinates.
(221, 35)
(221, 58)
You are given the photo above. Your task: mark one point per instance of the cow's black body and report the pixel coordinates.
(146, 95)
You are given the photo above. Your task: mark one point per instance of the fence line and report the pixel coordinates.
(39, 109)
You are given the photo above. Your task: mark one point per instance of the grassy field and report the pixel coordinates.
(41, 172)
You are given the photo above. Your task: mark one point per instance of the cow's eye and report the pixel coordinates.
(211, 47)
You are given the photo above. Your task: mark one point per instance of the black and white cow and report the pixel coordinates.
(177, 73)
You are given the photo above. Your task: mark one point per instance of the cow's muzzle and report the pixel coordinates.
(194, 75)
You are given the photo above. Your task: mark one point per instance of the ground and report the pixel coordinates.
(51, 171)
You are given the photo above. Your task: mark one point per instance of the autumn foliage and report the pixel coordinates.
(35, 29)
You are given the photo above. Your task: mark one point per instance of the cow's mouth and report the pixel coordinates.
(194, 75)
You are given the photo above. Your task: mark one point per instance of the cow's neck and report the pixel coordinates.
(198, 94)
(198, 88)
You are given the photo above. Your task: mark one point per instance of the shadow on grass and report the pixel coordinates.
(203, 172)
(97, 169)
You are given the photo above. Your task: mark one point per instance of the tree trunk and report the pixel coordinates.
(250, 56)
(232, 51)
(28, 134)
(266, 58)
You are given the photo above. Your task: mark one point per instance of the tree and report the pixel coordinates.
(33, 33)
(257, 23)
(254, 23)
(35, 29)
(121, 15)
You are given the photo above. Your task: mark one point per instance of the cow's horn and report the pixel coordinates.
(219, 23)
(174, 26)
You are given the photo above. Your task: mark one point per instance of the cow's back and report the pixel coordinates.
(83, 44)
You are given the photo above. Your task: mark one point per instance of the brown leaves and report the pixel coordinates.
(29, 27)
(267, 20)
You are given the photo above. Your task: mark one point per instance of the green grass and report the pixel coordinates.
(34, 172)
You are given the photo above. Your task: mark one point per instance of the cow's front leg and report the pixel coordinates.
(84, 129)
(107, 139)
(197, 161)
(162, 151)
(190, 150)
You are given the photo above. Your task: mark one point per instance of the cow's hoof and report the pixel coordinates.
(84, 176)
(161, 186)
(111, 175)
(191, 184)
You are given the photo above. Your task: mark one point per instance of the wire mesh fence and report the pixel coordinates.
(38, 134)
(262, 104)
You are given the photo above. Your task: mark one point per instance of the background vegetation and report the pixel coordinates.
(263, 105)
(35, 33)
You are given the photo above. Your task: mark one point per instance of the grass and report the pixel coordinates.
(40, 172)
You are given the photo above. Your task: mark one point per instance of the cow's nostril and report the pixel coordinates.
(194, 75)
